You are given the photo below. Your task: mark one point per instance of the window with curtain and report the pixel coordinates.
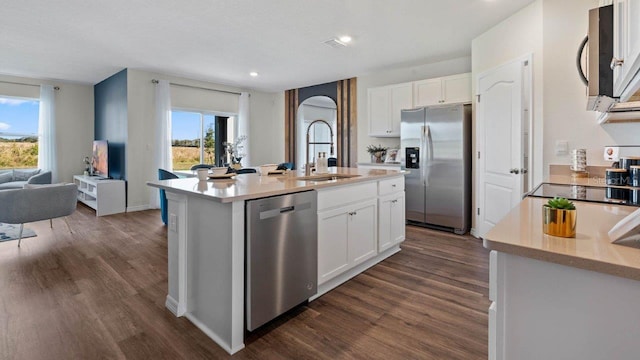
(18, 132)
(198, 138)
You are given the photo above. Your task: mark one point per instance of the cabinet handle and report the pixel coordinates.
(393, 185)
(616, 62)
(514, 171)
(394, 201)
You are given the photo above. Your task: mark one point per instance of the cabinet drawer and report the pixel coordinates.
(342, 195)
(391, 185)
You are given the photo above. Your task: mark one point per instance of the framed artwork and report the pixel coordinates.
(392, 156)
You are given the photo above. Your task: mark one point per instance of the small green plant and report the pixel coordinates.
(373, 149)
(561, 203)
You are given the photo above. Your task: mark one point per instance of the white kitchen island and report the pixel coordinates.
(360, 223)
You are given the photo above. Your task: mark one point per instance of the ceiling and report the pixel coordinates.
(221, 41)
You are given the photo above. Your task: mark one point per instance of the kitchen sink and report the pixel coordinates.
(326, 177)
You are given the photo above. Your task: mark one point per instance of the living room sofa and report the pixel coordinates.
(17, 178)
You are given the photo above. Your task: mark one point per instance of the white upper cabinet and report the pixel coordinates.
(385, 104)
(444, 90)
(626, 49)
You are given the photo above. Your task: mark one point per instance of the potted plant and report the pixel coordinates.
(559, 217)
(376, 152)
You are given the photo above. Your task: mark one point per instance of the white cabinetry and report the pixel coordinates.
(444, 90)
(105, 196)
(385, 104)
(391, 213)
(626, 48)
(347, 233)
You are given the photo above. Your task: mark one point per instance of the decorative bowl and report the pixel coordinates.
(217, 171)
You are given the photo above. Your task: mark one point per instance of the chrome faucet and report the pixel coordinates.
(307, 166)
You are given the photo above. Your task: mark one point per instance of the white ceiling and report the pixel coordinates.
(222, 41)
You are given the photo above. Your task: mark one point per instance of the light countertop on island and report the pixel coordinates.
(520, 233)
(254, 186)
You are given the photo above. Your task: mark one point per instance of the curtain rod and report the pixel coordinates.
(155, 81)
(19, 83)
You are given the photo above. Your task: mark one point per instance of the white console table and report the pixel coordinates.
(105, 196)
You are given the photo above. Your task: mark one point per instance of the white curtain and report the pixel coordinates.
(162, 154)
(47, 132)
(243, 127)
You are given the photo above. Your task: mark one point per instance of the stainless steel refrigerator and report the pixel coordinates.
(435, 146)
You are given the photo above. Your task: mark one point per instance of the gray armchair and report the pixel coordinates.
(35, 203)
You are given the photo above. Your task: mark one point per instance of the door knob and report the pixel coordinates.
(524, 171)
(514, 171)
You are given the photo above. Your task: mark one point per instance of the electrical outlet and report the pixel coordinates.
(612, 153)
(173, 222)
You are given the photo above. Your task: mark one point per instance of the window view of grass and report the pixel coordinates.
(18, 154)
(187, 137)
(18, 133)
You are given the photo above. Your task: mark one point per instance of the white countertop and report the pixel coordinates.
(254, 186)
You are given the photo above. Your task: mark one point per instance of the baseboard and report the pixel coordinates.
(205, 329)
(474, 233)
(138, 208)
(340, 279)
(172, 305)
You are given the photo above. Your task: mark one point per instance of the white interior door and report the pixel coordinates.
(500, 117)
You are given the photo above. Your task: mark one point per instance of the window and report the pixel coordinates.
(18, 132)
(194, 140)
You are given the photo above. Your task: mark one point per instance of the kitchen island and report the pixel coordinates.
(360, 217)
(562, 298)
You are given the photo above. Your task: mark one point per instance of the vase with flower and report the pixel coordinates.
(235, 151)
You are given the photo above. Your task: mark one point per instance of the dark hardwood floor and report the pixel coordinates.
(100, 291)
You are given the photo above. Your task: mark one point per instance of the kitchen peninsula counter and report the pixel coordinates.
(562, 298)
(206, 238)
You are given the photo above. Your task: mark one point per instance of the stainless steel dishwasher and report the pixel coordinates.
(281, 255)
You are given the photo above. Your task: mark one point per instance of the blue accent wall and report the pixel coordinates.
(111, 120)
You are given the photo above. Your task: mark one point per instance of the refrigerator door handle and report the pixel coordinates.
(424, 168)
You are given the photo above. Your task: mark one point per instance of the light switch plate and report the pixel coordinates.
(562, 147)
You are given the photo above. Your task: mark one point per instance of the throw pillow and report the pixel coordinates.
(6, 177)
(24, 175)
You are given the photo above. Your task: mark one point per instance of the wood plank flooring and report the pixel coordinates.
(99, 292)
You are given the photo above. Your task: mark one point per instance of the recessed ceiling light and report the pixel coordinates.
(253, 73)
(345, 39)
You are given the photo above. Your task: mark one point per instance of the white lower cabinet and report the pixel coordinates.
(346, 238)
(391, 220)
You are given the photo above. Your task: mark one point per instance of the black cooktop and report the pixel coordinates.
(607, 195)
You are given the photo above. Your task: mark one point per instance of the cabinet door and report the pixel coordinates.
(626, 47)
(427, 92)
(391, 220)
(457, 88)
(363, 226)
(384, 222)
(397, 223)
(332, 243)
(379, 108)
(401, 98)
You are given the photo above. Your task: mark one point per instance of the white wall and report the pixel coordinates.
(267, 128)
(395, 76)
(74, 119)
(517, 36)
(266, 140)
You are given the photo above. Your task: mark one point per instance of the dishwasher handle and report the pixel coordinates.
(271, 213)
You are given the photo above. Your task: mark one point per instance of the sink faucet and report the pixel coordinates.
(307, 166)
